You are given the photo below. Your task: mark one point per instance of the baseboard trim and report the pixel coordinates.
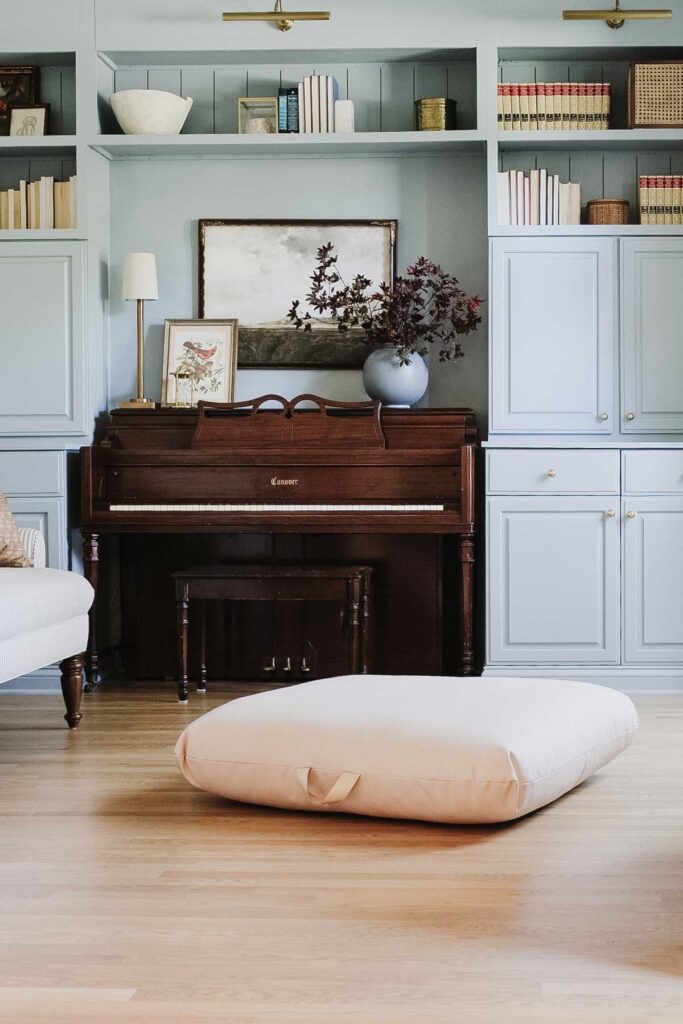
(42, 681)
(627, 679)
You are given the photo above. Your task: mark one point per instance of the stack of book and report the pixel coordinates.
(559, 106)
(661, 199)
(39, 204)
(537, 198)
(308, 107)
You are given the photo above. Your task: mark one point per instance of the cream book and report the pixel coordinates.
(514, 103)
(507, 108)
(677, 200)
(23, 205)
(668, 200)
(534, 197)
(543, 197)
(565, 124)
(541, 106)
(499, 108)
(73, 201)
(644, 199)
(660, 199)
(524, 107)
(533, 108)
(583, 114)
(606, 97)
(520, 197)
(4, 210)
(503, 197)
(574, 202)
(573, 106)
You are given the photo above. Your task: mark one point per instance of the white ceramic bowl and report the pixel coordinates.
(150, 111)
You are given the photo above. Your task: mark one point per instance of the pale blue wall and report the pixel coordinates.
(438, 201)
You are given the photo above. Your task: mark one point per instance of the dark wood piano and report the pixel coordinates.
(305, 467)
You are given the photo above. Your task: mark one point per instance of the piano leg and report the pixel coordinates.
(365, 660)
(466, 601)
(90, 567)
(201, 685)
(182, 604)
(354, 623)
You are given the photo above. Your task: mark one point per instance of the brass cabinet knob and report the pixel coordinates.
(630, 416)
(271, 667)
(552, 472)
(611, 513)
(288, 665)
(603, 416)
(305, 666)
(630, 515)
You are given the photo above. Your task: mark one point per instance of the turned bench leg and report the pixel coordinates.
(72, 687)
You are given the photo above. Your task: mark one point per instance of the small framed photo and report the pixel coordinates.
(18, 86)
(200, 362)
(257, 115)
(28, 120)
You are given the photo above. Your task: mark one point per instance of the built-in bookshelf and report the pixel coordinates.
(608, 163)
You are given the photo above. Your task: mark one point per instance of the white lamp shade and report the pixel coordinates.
(140, 276)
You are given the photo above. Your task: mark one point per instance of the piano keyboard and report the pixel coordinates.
(276, 508)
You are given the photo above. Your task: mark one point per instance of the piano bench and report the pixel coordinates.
(348, 585)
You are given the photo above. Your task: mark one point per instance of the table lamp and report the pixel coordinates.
(140, 283)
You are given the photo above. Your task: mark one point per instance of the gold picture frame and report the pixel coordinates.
(207, 349)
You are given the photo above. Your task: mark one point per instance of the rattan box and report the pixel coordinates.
(655, 94)
(607, 211)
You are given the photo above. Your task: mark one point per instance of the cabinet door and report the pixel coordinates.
(553, 580)
(552, 347)
(653, 571)
(42, 295)
(652, 334)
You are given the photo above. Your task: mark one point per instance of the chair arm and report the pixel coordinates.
(34, 546)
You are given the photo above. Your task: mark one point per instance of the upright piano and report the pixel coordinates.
(275, 466)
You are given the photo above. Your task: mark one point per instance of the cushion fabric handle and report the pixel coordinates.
(339, 791)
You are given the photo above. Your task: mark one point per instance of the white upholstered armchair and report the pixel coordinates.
(44, 619)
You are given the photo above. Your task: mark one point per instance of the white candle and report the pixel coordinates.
(343, 116)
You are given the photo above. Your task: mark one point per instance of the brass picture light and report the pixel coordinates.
(616, 17)
(283, 19)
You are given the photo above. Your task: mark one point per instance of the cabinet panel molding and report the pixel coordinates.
(653, 570)
(23, 473)
(553, 580)
(42, 295)
(652, 338)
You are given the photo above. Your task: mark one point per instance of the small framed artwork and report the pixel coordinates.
(200, 362)
(257, 115)
(18, 87)
(27, 120)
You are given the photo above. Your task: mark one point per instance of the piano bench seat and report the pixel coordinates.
(347, 585)
(455, 750)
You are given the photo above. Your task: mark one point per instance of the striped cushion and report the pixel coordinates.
(33, 545)
(12, 554)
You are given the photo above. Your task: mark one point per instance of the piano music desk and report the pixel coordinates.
(348, 585)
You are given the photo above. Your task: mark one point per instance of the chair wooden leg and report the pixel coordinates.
(72, 686)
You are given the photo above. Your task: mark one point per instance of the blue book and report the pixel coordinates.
(282, 110)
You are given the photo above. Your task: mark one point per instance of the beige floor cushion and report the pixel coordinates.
(435, 749)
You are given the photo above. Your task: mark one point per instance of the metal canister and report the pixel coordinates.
(435, 114)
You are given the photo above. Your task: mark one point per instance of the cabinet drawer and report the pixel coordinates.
(32, 473)
(658, 472)
(553, 471)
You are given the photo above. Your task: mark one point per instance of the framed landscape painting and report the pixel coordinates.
(254, 269)
(202, 354)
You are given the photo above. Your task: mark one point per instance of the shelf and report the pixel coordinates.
(43, 145)
(612, 139)
(230, 55)
(586, 229)
(42, 235)
(126, 147)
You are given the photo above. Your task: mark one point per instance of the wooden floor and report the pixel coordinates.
(129, 896)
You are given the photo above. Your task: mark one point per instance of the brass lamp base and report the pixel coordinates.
(138, 403)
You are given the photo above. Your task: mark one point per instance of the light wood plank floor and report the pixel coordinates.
(127, 896)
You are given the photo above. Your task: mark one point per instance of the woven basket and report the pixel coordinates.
(655, 95)
(607, 211)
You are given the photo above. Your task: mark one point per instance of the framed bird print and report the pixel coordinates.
(200, 362)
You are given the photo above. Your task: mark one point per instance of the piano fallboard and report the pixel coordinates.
(152, 473)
